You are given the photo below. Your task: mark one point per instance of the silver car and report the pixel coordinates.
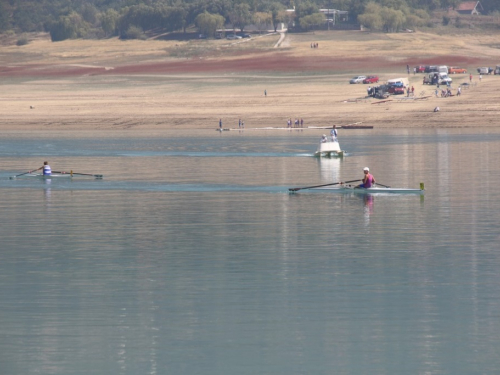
(357, 79)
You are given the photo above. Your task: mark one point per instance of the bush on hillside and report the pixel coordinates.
(133, 32)
(22, 41)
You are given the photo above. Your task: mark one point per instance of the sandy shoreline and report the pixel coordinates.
(155, 100)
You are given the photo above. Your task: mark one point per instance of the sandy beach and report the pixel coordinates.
(162, 84)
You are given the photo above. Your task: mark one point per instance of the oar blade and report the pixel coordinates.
(22, 174)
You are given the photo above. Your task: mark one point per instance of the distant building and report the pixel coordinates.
(333, 15)
(470, 7)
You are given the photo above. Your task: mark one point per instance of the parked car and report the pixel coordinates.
(380, 92)
(420, 68)
(434, 78)
(497, 69)
(233, 37)
(357, 79)
(484, 70)
(245, 35)
(430, 68)
(396, 88)
(455, 70)
(371, 79)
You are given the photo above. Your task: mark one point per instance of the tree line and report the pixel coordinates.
(66, 19)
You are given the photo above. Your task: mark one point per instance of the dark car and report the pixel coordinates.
(379, 92)
(431, 68)
(371, 79)
(244, 35)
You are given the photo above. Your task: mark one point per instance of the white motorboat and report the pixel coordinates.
(329, 147)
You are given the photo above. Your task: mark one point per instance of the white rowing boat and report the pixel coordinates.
(373, 190)
(56, 175)
(329, 148)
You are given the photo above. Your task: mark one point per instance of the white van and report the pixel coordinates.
(441, 78)
(484, 70)
(443, 69)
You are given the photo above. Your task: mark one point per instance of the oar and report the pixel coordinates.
(81, 174)
(22, 174)
(311, 187)
(376, 183)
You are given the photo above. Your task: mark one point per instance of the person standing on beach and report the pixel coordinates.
(265, 93)
(220, 124)
(470, 77)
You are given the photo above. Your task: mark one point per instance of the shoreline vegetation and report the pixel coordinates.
(165, 84)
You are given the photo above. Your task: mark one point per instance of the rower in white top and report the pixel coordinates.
(333, 133)
(47, 171)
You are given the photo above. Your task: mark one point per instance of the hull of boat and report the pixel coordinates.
(373, 190)
(42, 176)
(329, 149)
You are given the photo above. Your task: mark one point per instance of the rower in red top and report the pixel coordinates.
(368, 180)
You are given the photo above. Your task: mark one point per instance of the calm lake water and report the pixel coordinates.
(191, 257)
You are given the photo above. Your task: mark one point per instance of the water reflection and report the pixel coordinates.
(368, 200)
(47, 192)
(330, 168)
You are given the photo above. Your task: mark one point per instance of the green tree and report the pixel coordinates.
(418, 18)
(175, 18)
(240, 16)
(392, 19)
(209, 23)
(312, 21)
(89, 13)
(28, 17)
(277, 14)
(261, 20)
(5, 12)
(305, 9)
(109, 20)
(372, 17)
(64, 28)
(450, 3)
